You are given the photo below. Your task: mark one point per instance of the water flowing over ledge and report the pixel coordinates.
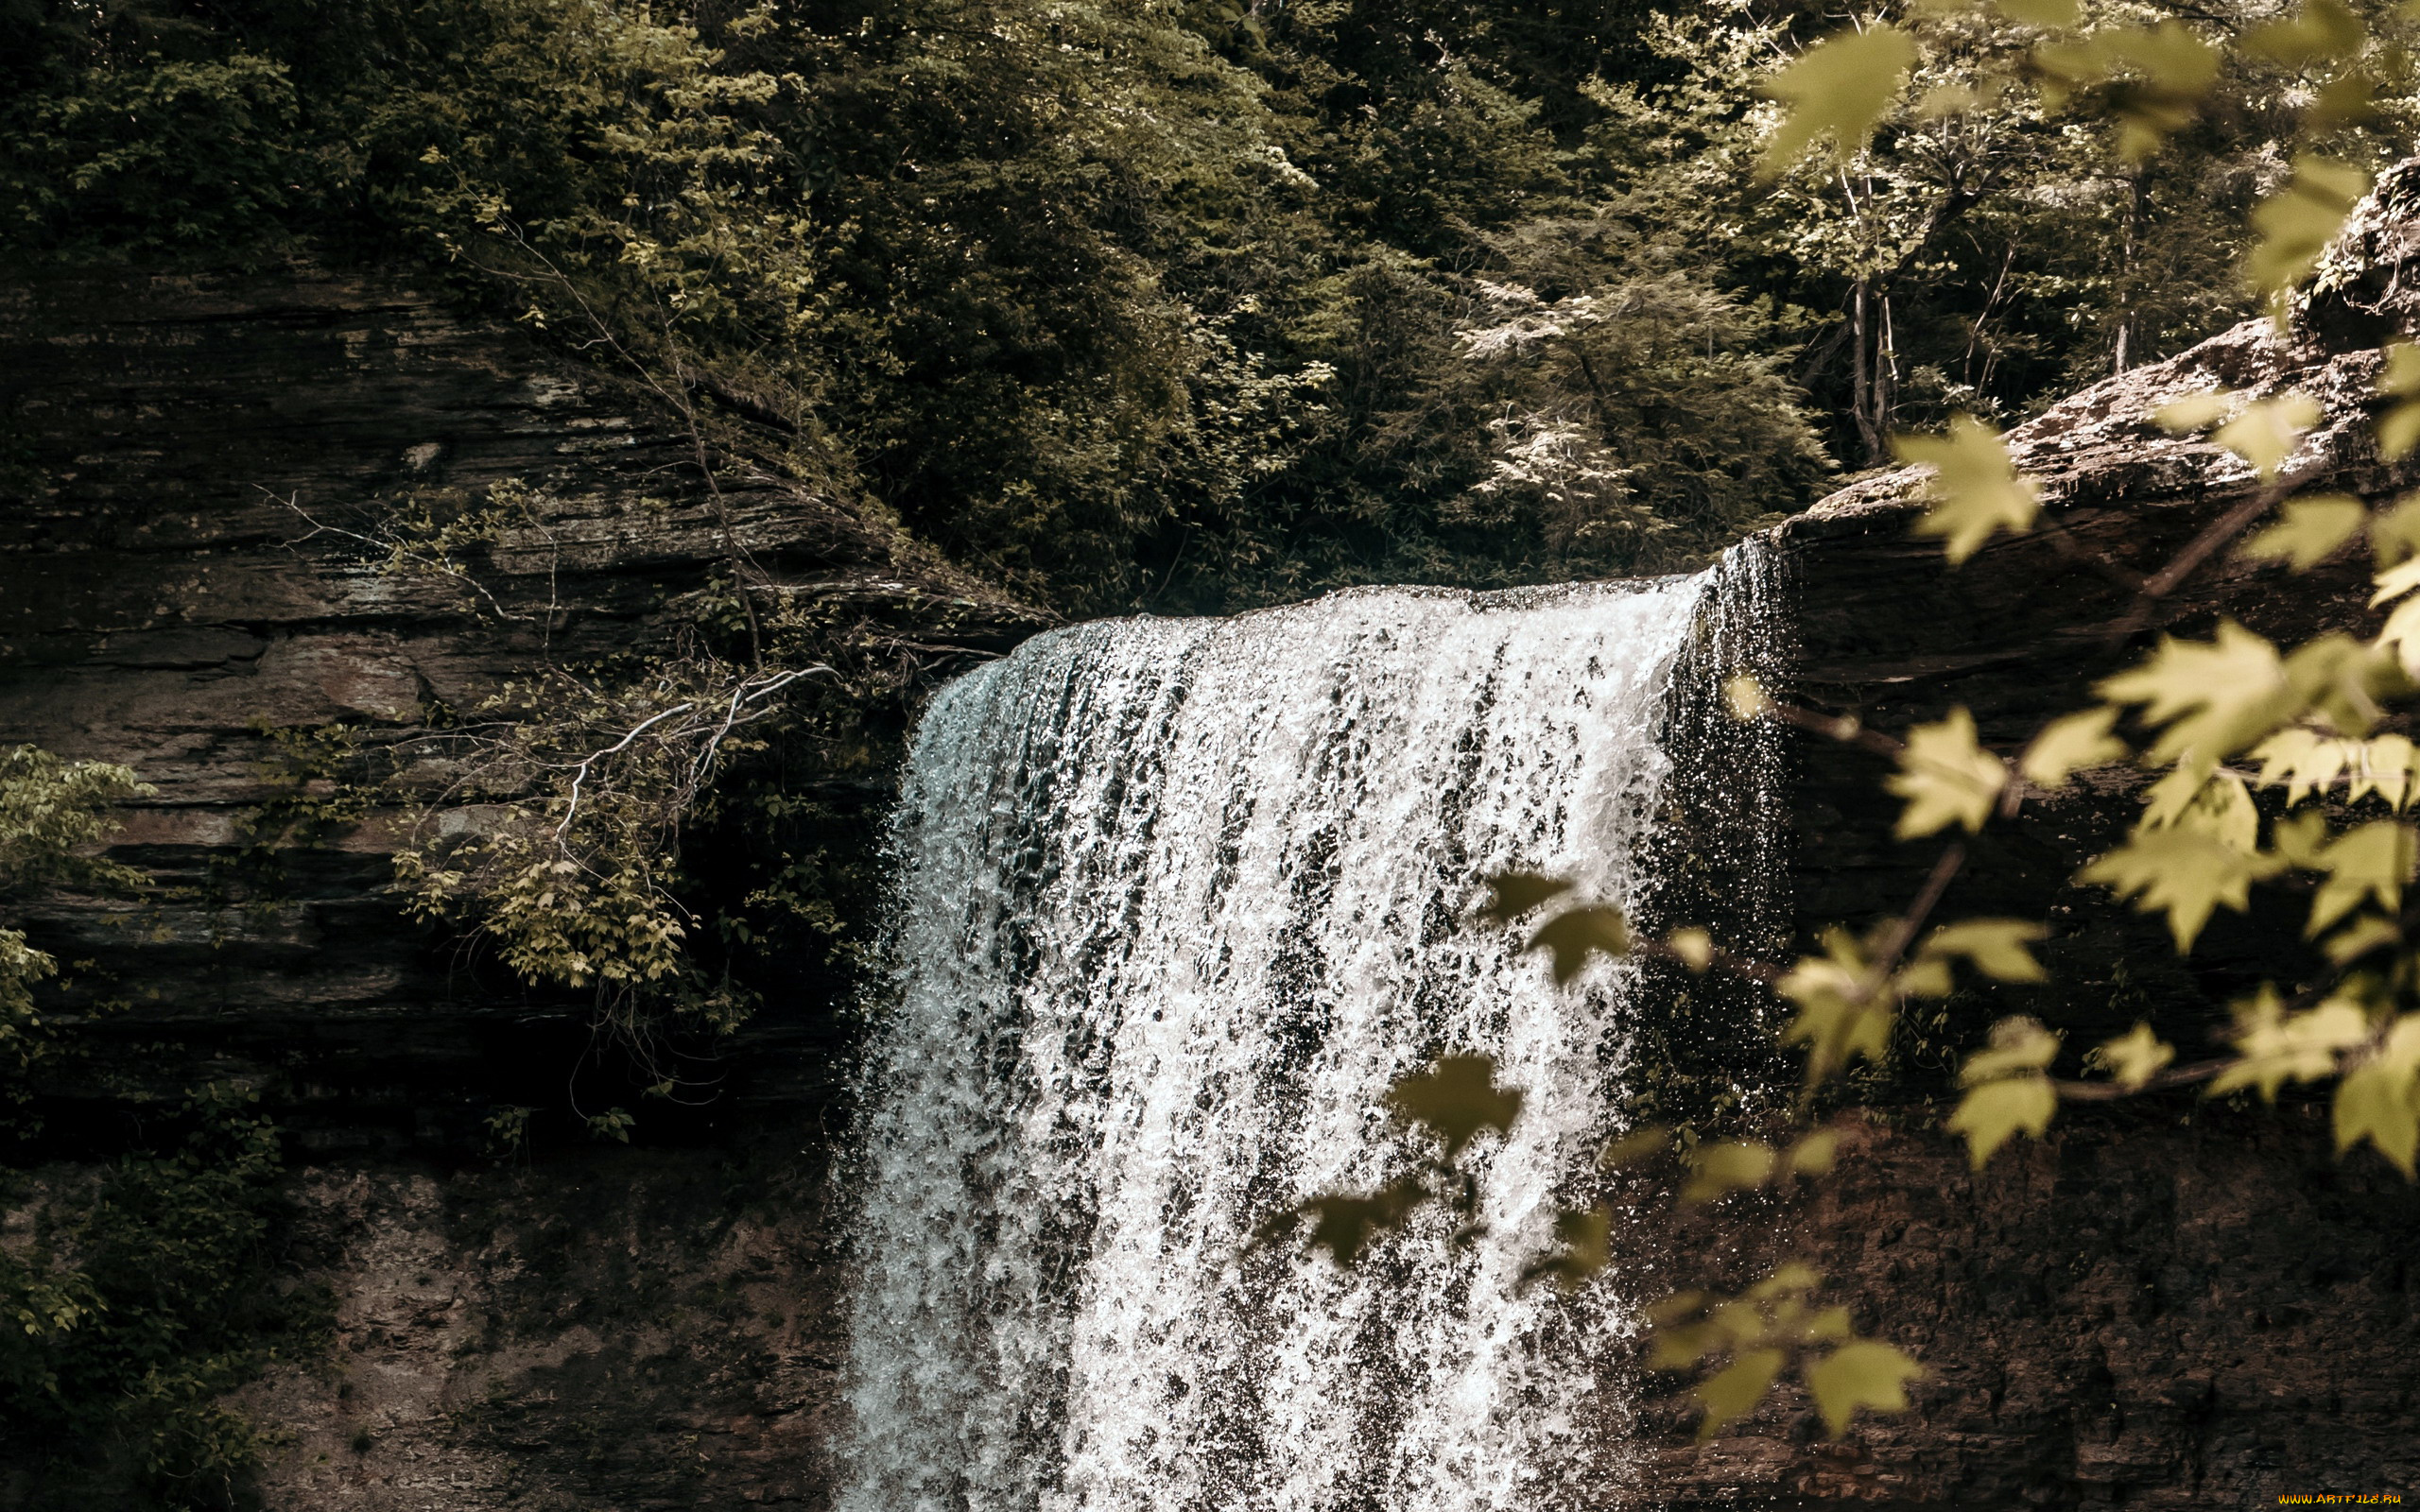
(1179, 899)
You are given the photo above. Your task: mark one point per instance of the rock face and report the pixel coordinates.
(2167, 1306)
(195, 463)
(2157, 1307)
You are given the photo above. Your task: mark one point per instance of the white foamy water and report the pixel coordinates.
(1179, 900)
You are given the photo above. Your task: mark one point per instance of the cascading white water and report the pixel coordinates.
(1179, 900)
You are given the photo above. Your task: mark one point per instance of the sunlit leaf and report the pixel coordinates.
(2394, 533)
(2218, 805)
(2399, 427)
(2135, 1058)
(2374, 861)
(2196, 411)
(2212, 697)
(2348, 99)
(1586, 1237)
(2275, 1047)
(1993, 1114)
(2308, 531)
(2181, 872)
(2320, 31)
(1694, 946)
(1716, 1168)
(1860, 1374)
(1745, 696)
(2018, 1045)
(1975, 489)
(2167, 70)
(2045, 13)
(1946, 778)
(1513, 893)
(2267, 430)
(1571, 936)
(2297, 222)
(1735, 1390)
(2360, 937)
(1841, 87)
(1814, 1154)
(2071, 743)
(1638, 1144)
(1996, 946)
(1835, 1022)
(1456, 1098)
(2379, 1099)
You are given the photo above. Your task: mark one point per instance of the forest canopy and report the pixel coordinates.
(1192, 306)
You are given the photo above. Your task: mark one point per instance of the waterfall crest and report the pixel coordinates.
(1179, 900)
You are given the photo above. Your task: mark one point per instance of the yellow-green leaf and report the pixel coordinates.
(2071, 743)
(2379, 1099)
(2322, 30)
(2394, 533)
(2018, 1045)
(2308, 531)
(1512, 894)
(2297, 222)
(2212, 697)
(1996, 946)
(2360, 937)
(1735, 1390)
(2044, 14)
(2196, 411)
(1991, 1113)
(1587, 1241)
(1841, 87)
(1694, 946)
(2399, 427)
(2185, 873)
(2374, 861)
(2267, 430)
(2172, 70)
(1745, 696)
(1864, 1374)
(1716, 1168)
(1571, 936)
(1975, 489)
(1456, 1098)
(2274, 1047)
(1638, 1144)
(2135, 1058)
(1946, 778)
(1813, 1155)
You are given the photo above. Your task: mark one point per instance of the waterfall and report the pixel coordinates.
(1177, 900)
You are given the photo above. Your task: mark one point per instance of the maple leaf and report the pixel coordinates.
(2321, 30)
(1814, 1154)
(1841, 87)
(2133, 1057)
(2379, 1100)
(2274, 1047)
(1864, 1374)
(2374, 861)
(2018, 1045)
(2184, 872)
(1834, 1020)
(1638, 1144)
(2399, 427)
(1990, 1115)
(1456, 1098)
(1586, 1235)
(1694, 946)
(1720, 1168)
(2172, 69)
(2266, 432)
(2195, 411)
(2069, 745)
(1514, 893)
(1735, 1390)
(2308, 531)
(1946, 778)
(1976, 489)
(1571, 936)
(1996, 946)
(2297, 222)
(2211, 697)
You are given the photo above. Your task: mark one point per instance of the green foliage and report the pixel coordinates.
(140, 1304)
